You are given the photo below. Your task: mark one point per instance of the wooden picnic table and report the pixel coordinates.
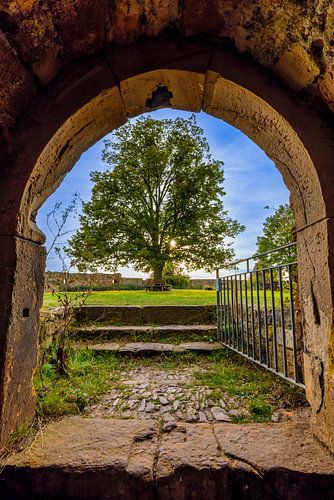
(157, 287)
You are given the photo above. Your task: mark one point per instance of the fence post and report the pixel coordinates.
(218, 305)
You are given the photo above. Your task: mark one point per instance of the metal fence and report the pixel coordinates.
(257, 315)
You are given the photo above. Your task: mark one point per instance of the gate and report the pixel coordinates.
(256, 313)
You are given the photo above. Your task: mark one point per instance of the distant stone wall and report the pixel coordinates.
(104, 281)
(133, 281)
(56, 280)
(203, 284)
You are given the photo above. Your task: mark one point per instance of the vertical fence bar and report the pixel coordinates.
(241, 315)
(224, 309)
(218, 305)
(258, 315)
(228, 311)
(265, 317)
(285, 367)
(273, 312)
(293, 326)
(236, 312)
(232, 311)
(221, 308)
(252, 312)
(247, 319)
(265, 343)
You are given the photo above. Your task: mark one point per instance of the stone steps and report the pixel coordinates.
(107, 459)
(153, 347)
(146, 315)
(111, 332)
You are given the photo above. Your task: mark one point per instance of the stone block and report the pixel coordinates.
(315, 281)
(162, 89)
(88, 458)
(35, 38)
(129, 459)
(326, 88)
(268, 450)
(314, 381)
(129, 315)
(81, 28)
(149, 55)
(297, 68)
(17, 86)
(190, 461)
(173, 315)
(21, 295)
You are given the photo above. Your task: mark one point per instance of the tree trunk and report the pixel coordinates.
(157, 274)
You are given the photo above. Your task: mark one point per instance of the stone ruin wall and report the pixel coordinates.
(103, 281)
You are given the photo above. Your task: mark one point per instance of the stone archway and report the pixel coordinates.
(97, 94)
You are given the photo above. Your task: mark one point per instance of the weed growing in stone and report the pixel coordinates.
(257, 390)
(88, 376)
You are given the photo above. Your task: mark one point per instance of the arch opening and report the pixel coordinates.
(210, 82)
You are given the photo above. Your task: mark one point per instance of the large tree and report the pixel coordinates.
(278, 230)
(159, 201)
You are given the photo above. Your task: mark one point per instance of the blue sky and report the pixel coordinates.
(251, 182)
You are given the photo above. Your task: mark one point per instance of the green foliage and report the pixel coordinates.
(260, 410)
(88, 376)
(175, 276)
(257, 389)
(277, 231)
(159, 201)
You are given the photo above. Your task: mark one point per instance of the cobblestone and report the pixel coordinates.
(148, 393)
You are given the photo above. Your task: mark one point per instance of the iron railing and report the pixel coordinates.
(256, 315)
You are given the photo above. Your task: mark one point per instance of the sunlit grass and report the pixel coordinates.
(172, 297)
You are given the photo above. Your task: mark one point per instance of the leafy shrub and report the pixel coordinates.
(175, 277)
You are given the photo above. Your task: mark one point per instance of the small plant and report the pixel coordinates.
(67, 316)
(56, 221)
(260, 410)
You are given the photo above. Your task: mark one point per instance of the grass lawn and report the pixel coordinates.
(142, 298)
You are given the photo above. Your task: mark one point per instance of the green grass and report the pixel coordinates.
(91, 375)
(142, 298)
(259, 391)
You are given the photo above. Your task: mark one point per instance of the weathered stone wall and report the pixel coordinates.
(21, 296)
(262, 67)
(37, 38)
(203, 284)
(140, 282)
(147, 315)
(57, 280)
(103, 281)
